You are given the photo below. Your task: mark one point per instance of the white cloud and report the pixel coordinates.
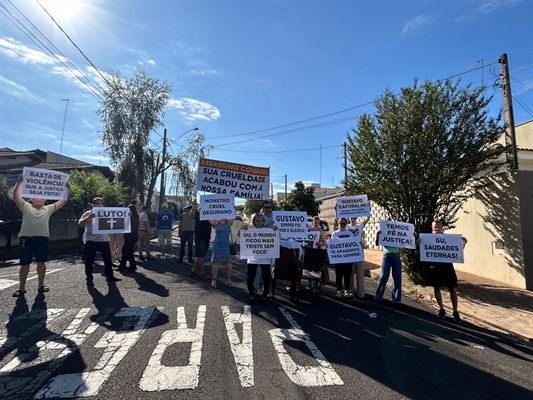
(14, 49)
(194, 110)
(492, 5)
(412, 26)
(16, 90)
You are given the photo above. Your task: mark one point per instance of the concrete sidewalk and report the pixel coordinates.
(485, 302)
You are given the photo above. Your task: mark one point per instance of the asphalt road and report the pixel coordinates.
(161, 334)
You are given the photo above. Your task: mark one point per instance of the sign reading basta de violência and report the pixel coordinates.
(439, 247)
(291, 224)
(259, 243)
(240, 180)
(111, 220)
(353, 206)
(43, 184)
(397, 234)
(217, 206)
(345, 250)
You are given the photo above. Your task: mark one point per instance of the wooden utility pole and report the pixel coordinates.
(162, 185)
(508, 114)
(345, 166)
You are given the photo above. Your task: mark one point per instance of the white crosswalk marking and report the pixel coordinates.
(7, 283)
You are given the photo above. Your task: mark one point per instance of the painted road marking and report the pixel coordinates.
(324, 375)
(7, 283)
(242, 351)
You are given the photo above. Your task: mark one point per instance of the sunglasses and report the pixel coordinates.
(342, 223)
(267, 207)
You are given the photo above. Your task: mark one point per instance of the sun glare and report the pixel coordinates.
(60, 9)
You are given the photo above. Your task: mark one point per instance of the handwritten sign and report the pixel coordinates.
(441, 248)
(259, 243)
(217, 206)
(111, 220)
(397, 234)
(242, 181)
(43, 184)
(345, 250)
(353, 206)
(291, 224)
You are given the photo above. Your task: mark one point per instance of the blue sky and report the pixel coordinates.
(268, 82)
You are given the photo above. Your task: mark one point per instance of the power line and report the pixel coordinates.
(282, 151)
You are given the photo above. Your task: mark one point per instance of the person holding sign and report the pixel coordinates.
(343, 270)
(221, 252)
(443, 274)
(258, 221)
(357, 276)
(33, 235)
(391, 259)
(96, 242)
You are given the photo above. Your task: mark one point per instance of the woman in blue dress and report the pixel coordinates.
(221, 253)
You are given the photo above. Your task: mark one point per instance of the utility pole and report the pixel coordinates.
(345, 166)
(508, 114)
(64, 120)
(162, 188)
(285, 186)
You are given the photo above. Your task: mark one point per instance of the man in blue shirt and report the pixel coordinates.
(163, 224)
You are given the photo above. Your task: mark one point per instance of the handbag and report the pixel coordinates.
(233, 246)
(324, 278)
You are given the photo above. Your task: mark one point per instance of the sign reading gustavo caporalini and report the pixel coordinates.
(217, 206)
(353, 206)
(345, 250)
(239, 180)
(291, 224)
(43, 184)
(440, 247)
(259, 243)
(111, 220)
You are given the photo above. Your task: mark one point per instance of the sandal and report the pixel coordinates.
(214, 284)
(43, 289)
(19, 293)
(230, 284)
(204, 276)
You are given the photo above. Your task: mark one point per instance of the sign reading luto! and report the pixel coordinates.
(240, 180)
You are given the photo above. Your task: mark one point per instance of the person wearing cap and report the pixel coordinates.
(186, 233)
(163, 224)
(144, 234)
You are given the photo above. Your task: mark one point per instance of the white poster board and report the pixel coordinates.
(242, 181)
(311, 237)
(217, 206)
(397, 234)
(441, 247)
(43, 184)
(291, 224)
(345, 250)
(259, 243)
(353, 206)
(111, 220)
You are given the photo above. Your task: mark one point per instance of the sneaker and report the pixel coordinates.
(338, 294)
(113, 279)
(171, 256)
(90, 282)
(442, 313)
(456, 317)
(252, 301)
(347, 294)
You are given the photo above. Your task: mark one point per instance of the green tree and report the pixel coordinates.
(418, 154)
(8, 208)
(302, 198)
(84, 187)
(132, 108)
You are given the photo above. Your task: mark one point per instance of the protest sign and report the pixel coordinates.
(353, 206)
(43, 184)
(397, 234)
(217, 206)
(291, 224)
(111, 220)
(345, 250)
(259, 243)
(439, 247)
(310, 239)
(242, 181)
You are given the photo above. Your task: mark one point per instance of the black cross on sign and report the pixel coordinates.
(107, 224)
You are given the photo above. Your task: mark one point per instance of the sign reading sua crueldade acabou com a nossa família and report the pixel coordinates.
(439, 247)
(291, 224)
(111, 220)
(352, 206)
(217, 206)
(259, 243)
(345, 250)
(397, 234)
(43, 184)
(240, 180)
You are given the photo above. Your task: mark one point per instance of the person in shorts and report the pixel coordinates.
(33, 236)
(163, 224)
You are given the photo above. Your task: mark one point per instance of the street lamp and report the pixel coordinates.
(162, 191)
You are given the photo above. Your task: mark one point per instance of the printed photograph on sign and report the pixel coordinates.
(443, 248)
(291, 224)
(111, 220)
(397, 234)
(353, 206)
(345, 250)
(240, 180)
(217, 206)
(259, 243)
(43, 184)
(309, 240)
